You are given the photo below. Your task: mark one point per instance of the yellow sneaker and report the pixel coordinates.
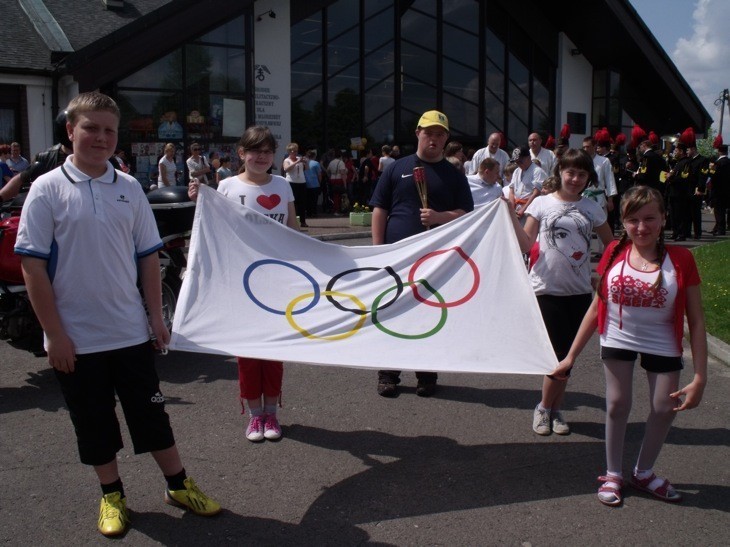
(113, 516)
(192, 498)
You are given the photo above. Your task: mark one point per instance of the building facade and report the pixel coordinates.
(327, 73)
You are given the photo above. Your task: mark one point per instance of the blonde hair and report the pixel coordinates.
(93, 101)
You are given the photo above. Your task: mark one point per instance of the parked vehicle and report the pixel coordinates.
(19, 326)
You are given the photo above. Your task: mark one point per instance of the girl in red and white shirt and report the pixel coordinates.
(645, 291)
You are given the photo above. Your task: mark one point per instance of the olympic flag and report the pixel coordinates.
(455, 298)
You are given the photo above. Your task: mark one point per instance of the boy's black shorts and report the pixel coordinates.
(90, 390)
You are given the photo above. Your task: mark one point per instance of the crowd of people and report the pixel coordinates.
(558, 200)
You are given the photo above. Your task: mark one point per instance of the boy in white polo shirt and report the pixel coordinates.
(85, 233)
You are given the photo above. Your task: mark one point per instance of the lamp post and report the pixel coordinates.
(720, 101)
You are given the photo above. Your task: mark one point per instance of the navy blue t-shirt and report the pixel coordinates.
(396, 192)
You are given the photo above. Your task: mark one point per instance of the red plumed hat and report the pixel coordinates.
(602, 137)
(653, 137)
(564, 135)
(550, 143)
(637, 135)
(688, 137)
(717, 143)
(620, 139)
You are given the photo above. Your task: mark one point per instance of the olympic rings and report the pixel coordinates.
(363, 311)
(328, 294)
(247, 287)
(438, 327)
(359, 308)
(442, 304)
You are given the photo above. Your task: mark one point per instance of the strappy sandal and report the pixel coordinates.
(664, 491)
(608, 494)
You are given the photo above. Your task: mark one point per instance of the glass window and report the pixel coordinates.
(516, 132)
(495, 82)
(461, 81)
(462, 14)
(341, 17)
(599, 113)
(461, 46)
(420, 29)
(599, 83)
(306, 35)
(382, 129)
(540, 96)
(379, 99)
(495, 49)
(307, 118)
(377, 8)
(151, 116)
(519, 75)
(378, 65)
(343, 117)
(231, 34)
(213, 68)
(7, 125)
(379, 30)
(165, 73)
(306, 73)
(348, 79)
(463, 115)
(415, 62)
(518, 103)
(541, 121)
(343, 51)
(614, 84)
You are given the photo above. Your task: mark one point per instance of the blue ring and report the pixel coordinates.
(247, 288)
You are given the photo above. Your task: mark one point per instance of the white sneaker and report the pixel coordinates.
(255, 429)
(541, 421)
(559, 425)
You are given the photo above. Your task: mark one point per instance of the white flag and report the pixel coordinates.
(455, 298)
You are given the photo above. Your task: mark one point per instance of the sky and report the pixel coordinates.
(696, 36)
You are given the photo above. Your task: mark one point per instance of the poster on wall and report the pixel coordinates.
(234, 117)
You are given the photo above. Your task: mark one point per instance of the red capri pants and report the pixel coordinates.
(258, 377)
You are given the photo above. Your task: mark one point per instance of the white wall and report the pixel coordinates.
(272, 61)
(574, 90)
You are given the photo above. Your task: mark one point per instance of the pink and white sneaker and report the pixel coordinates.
(255, 429)
(272, 429)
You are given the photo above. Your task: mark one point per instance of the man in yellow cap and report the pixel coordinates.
(399, 211)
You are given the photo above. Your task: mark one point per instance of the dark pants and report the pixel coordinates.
(300, 200)
(696, 214)
(312, 197)
(393, 376)
(721, 210)
(679, 211)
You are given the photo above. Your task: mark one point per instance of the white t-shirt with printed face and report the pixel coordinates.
(271, 199)
(641, 316)
(91, 231)
(563, 265)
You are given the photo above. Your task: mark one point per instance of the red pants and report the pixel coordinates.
(258, 377)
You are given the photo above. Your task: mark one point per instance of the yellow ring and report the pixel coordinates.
(307, 334)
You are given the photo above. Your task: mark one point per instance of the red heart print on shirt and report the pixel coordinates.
(269, 202)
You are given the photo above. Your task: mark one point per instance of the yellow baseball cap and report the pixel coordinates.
(434, 117)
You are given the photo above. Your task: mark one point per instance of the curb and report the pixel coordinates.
(718, 349)
(343, 235)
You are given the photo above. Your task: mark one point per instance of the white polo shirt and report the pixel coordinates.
(91, 232)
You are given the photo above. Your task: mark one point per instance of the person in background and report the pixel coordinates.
(485, 186)
(5, 173)
(16, 162)
(386, 159)
(294, 166)
(198, 166)
(166, 168)
(313, 175)
(224, 171)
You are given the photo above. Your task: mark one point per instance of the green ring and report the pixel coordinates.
(438, 327)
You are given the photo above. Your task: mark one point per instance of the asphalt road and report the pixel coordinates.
(462, 468)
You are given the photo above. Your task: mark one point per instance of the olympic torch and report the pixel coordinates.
(419, 177)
